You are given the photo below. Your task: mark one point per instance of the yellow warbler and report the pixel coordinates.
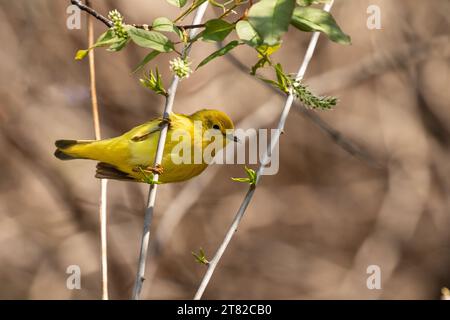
(131, 155)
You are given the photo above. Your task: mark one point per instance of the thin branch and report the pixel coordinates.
(266, 158)
(104, 182)
(92, 12)
(192, 26)
(103, 236)
(187, 26)
(158, 158)
(88, 9)
(93, 87)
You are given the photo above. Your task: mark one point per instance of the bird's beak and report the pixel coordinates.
(232, 137)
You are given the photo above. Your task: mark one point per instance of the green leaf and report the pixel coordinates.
(266, 50)
(259, 64)
(119, 45)
(200, 257)
(283, 81)
(222, 51)
(313, 19)
(151, 39)
(281, 77)
(166, 25)
(241, 179)
(105, 39)
(271, 82)
(247, 34)
(153, 81)
(271, 18)
(146, 60)
(306, 3)
(177, 3)
(81, 54)
(162, 24)
(251, 174)
(216, 30)
(251, 177)
(217, 4)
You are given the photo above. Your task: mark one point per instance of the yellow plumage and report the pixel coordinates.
(126, 157)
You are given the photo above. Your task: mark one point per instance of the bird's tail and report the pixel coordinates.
(76, 149)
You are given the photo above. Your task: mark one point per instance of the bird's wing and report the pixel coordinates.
(144, 131)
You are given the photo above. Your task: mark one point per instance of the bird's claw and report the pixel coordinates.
(165, 121)
(157, 169)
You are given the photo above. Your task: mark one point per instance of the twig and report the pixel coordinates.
(104, 182)
(88, 9)
(92, 12)
(187, 26)
(266, 157)
(158, 158)
(93, 87)
(192, 26)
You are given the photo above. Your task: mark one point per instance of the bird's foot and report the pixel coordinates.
(157, 169)
(149, 172)
(165, 121)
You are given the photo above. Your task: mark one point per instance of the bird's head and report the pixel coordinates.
(216, 121)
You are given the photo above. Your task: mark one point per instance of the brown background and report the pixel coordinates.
(310, 232)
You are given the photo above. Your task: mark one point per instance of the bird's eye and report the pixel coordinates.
(216, 127)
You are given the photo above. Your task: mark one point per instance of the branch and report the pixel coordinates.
(187, 26)
(92, 12)
(88, 9)
(158, 158)
(192, 26)
(104, 182)
(266, 158)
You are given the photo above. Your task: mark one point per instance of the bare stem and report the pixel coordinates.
(266, 158)
(93, 86)
(86, 7)
(104, 182)
(192, 26)
(158, 158)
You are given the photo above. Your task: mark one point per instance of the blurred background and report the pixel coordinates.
(365, 184)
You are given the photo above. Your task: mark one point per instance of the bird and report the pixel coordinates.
(130, 156)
